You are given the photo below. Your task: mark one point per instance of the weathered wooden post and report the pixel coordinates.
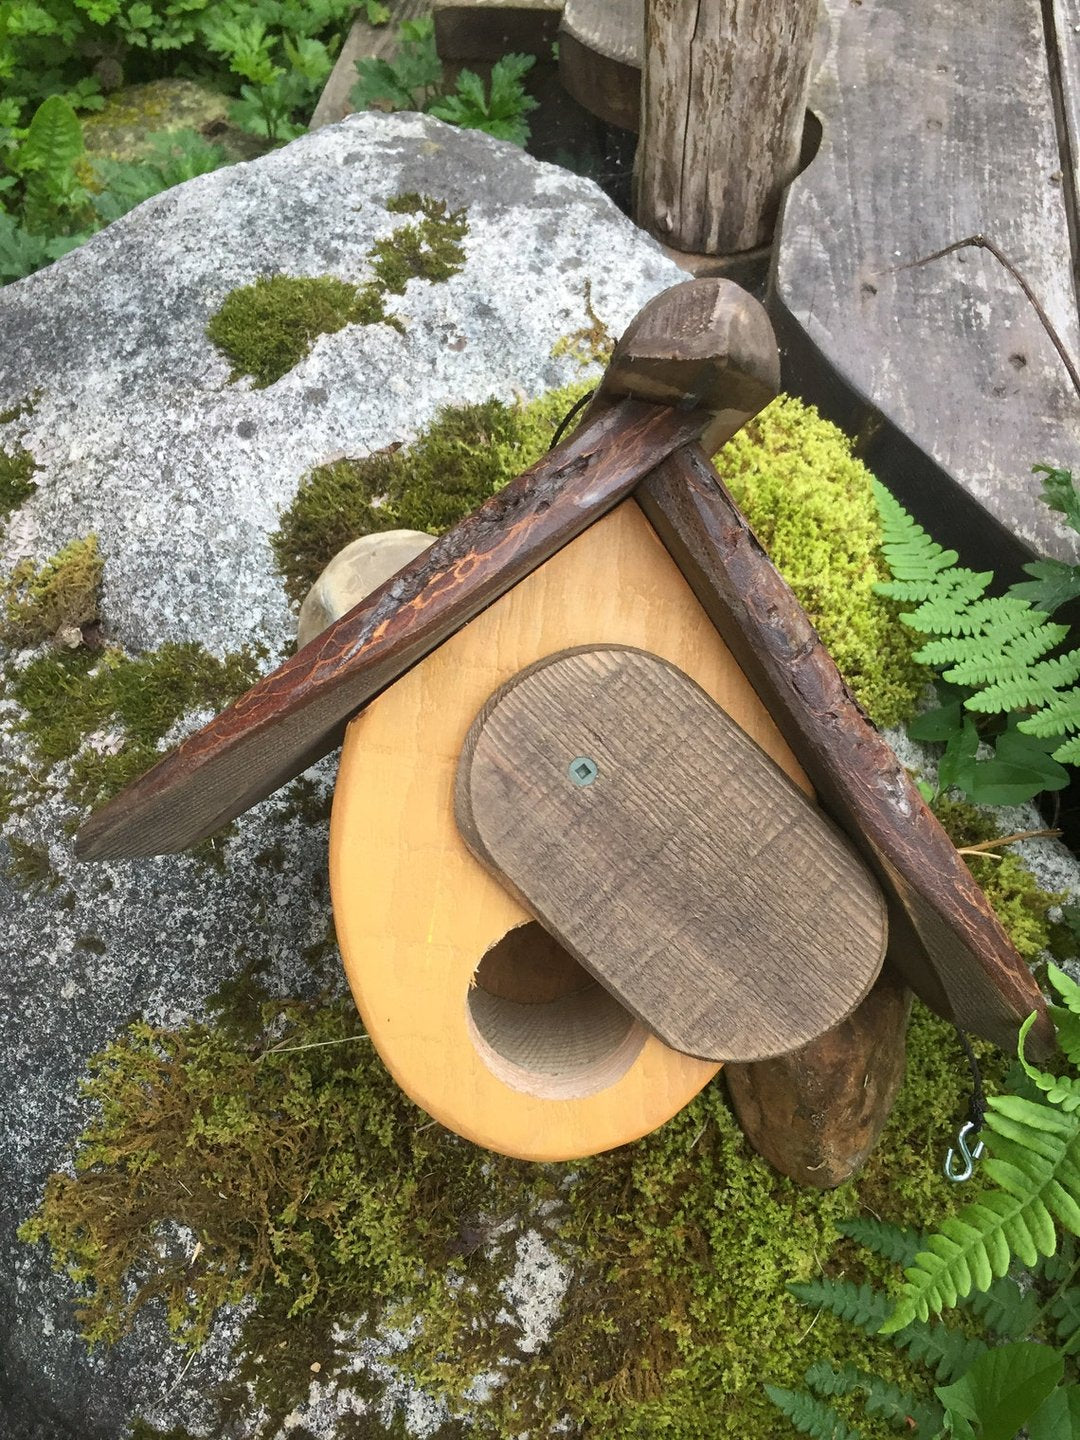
(723, 96)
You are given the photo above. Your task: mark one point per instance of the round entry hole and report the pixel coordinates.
(543, 1024)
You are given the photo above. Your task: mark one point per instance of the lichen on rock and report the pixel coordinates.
(16, 483)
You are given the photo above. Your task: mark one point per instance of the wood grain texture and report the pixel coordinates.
(958, 959)
(816, 1114)
(297, 714)
(1063, 45)
(415, 912)
(723, 98)
(939, 123)
(600, 48)
(378, 41)
(690, 876)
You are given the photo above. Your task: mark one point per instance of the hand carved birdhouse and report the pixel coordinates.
(606, 816)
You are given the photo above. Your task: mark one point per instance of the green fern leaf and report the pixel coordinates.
(810, 1416)
(1004, 1309)
(1057, 718)
(996, 623)
(947, 1353)
(1069, 752)
(948, 611)
(1059, 493)
(1067, 1026)
(1016, 659)
(1055, 584)
(882, 1398)
(1031, 684)
(888, 1241)
(859, 1305)
(1066, 987)
(1063, 1090)
(909, 551)
(1036, 1167)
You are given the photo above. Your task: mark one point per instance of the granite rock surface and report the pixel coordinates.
(140, 437)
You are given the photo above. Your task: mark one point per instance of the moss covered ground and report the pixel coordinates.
(265, 1154)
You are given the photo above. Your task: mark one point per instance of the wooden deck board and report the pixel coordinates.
(938, 122)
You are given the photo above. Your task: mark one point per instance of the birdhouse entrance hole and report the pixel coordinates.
(541, 1022)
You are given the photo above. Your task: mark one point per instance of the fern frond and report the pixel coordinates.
(1064, 1310)
(948, 610)
(1006, 621)
(1067, 1027)
(889, 1241)
(1068, 753)
(1063, 1090)
(859, 1305)
(1004, 1309)
(1018, 660)
(947, 1353)
(1066, 987)
(1036, 684)
(909, 551)
(882, 1397)
(810, 1416)
(1058, 718)
(1036, 1167)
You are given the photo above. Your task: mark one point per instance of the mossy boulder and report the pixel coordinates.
(119, 129)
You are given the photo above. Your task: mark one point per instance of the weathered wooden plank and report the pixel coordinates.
(297, 714)
(669, 855)
(938, 124)
(379, 41)
(600, 48)
(723, 100)
(1063, 42)
(949, 946)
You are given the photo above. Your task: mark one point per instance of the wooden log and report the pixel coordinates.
(963, 964)
(668, 854)
(816, 1114)
(600, 45)
(723, 102)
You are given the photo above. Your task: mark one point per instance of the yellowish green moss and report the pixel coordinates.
(310, 1182)
(465, 455)
(131, 702)
(808, 499)
(57, 600)
(29, 866)
(22, 409)
(1021, 904)
(16, 485)
(267, 328)
(593, 343)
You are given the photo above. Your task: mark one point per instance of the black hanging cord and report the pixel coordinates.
(977, 1103)
(575, 409)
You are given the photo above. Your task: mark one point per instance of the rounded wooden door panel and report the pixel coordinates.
(478, 1014)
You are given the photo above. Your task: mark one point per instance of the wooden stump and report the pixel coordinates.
(816, 1114)
(722, 103)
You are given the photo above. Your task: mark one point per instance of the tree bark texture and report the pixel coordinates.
(722, 103)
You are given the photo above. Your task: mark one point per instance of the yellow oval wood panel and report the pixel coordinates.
(534, 1060)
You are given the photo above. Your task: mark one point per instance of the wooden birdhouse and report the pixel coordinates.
(606, 817)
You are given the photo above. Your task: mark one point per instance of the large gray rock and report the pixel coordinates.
(140, 437)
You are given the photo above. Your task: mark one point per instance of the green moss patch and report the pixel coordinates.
(62, 596)
(809, 502)
(67, 696)
(463, 457)
(306, 1179)
(267, 328)
(16, 484)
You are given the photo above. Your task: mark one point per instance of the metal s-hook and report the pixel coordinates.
(963, 1169)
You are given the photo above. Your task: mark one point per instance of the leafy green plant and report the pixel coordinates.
(984, 1379)
(1000, 680)
(414, 80)
(53, 197)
